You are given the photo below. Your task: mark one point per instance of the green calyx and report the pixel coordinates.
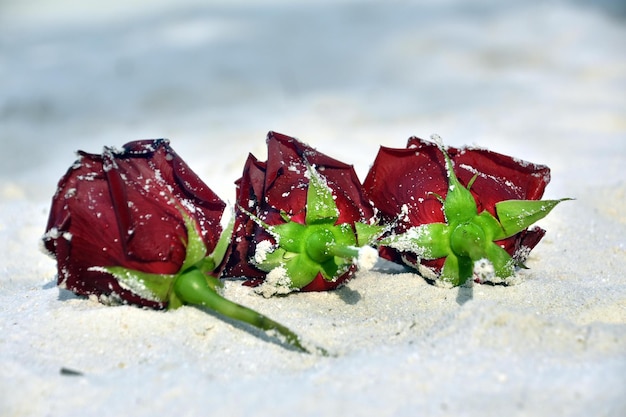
(320, 246)
(468, 237)
(160, 287)
(193, 285)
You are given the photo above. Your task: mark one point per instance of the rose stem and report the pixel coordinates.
(191, 287)
(347, 252)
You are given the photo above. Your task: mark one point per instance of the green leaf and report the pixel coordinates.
(320, 203)
(517, 215)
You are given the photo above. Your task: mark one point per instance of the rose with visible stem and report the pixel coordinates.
(138, 226)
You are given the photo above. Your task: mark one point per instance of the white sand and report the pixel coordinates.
(541, 80)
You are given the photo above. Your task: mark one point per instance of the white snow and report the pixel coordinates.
(262, 249)
(277, 282)
(540, 80)
(367, 258)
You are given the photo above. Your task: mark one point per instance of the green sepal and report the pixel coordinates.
(426, 241)
(471, 181)
(366, 234)
(277, 257)
(258, 220)
(343, 235)
(457, 270)
(503, 263)
(196, 249)
(154, 287)
(174, 301)
(517, 215)
(332, 268)
(490, 225)
(459, 205)
(301, 270)
(289, 235)
(285, 216)
(217, 256)
(213, 282)
(320, 203)
(468, 237)
(158, 287)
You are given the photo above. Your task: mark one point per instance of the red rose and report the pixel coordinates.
(276, 205)
(138, 226)
(125, 208)
(410, 188)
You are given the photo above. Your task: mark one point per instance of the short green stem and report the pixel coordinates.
(321, 246)
(346, 252)
(191, 287)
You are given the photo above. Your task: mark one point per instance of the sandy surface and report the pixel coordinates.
(543, 81)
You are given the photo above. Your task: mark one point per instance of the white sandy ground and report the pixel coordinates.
(541, 80)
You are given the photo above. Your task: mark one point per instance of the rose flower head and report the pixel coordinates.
(138, 226)
(458, 214)
(302, 222)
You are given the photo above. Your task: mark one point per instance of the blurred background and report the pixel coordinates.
(528, 78)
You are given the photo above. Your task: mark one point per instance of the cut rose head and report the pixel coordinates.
(450, 209)
(138, 226)
(300, 219)
(133, 209)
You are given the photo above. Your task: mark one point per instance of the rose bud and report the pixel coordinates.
(458, 214)
(138, 226)
(301, 222)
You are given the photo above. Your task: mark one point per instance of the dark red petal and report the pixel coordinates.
(123, 208)
(408, 180)
(286, 183)
(520, 245)
(76, 276)
(150, 224)
(249, 198)
(500, 177)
